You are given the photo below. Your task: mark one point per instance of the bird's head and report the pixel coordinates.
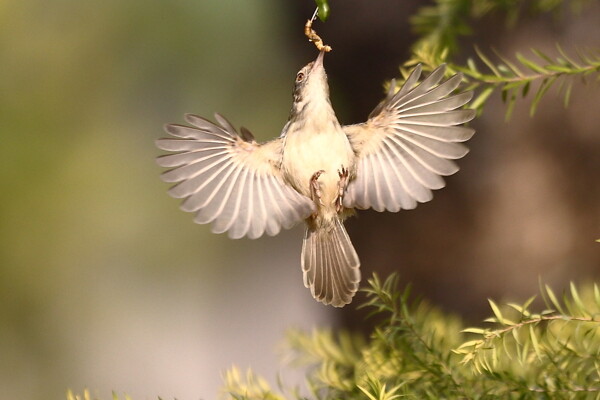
(311, 86)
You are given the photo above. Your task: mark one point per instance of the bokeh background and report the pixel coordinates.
(105, 284)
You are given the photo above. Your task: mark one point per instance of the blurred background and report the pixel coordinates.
(105, 284)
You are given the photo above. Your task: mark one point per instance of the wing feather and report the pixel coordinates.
(402, 197)
(206, 192)
(377, 203)
(385, 190)
(420, 90)
(257, 203)
(201, 182)
(408, 143)
(366, 180)
(272, 225)
(229, 179)
(436, 106)
(416, 156)
(440, 149)
(393, 187)
(194, 164)
(218, 198)
(418, 168)
(438, 92)
(441, 133)
(409, 167)
(403, 171)
(229, 207)
(447, 118)
(239, 214)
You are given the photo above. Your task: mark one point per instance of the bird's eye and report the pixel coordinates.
(300, 77)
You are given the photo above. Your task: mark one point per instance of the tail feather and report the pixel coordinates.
(330, 264)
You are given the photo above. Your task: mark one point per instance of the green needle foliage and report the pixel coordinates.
(418, 352)
(441, 25)
(515, 80)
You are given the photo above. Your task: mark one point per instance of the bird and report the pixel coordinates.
(318, 171)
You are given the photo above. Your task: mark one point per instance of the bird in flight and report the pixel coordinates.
(319, 171)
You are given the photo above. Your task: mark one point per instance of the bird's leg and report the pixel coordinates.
(315, 189)
(342, 185)
(311, 34)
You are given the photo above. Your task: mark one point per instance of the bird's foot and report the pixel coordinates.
(315, 188)
(342, 185)
(311, 34)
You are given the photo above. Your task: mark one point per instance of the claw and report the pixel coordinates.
(343, 173)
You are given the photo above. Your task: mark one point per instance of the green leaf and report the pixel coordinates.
(530, 64)
(470, 343)
(323, 7)
(578, 302)
(568, 94)
(515, 333)
(525, 313)
(496, 311)
(559, 68)
(516, 307)
(526, 89)
(511, 106)
(487, 62)
(511, 65)
(366, 392)
(473, 67)
(477, 331)
(554, 300)
(569, 59)
(483, 96)
(512, 85)
(543, 56)
(535, 342)
(546, 83)
(504, 95)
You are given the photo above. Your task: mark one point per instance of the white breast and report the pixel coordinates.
(307, 151)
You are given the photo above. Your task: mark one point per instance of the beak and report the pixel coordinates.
(319, 61)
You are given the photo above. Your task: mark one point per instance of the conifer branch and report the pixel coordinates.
(509, 78)
(441, 25)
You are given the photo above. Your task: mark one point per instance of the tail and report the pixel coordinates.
(330, 264)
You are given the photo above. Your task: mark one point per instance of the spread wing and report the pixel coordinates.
(230, 180)
(408, 143)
